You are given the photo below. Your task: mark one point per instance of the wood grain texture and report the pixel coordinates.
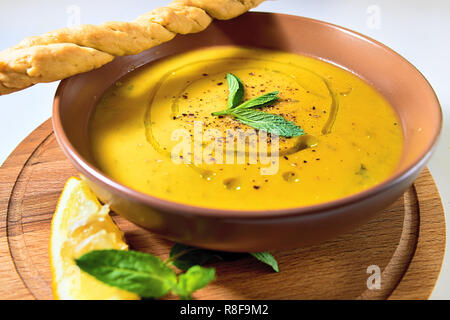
(406, 241)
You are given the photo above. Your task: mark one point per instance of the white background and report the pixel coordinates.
(417, 29)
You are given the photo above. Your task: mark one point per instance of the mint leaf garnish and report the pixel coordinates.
(194, 279)
(149, 277)
(267, 258)
(137, 272)
(271, 123)
(236, 88)
(185, 257)
(264, 100)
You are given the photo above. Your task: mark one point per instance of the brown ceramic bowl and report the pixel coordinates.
(405, 88)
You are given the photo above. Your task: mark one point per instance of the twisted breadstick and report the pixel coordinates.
(65, 52)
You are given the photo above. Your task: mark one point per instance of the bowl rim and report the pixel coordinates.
(185, 209)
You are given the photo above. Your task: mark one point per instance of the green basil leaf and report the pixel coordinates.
(194, 279)
(271, 123)
(264, 100)
(236, 88)
(137, 272)
(267, 258)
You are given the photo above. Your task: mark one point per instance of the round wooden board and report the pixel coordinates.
(406, 241)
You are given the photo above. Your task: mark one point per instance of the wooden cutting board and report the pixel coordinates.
(406, 241)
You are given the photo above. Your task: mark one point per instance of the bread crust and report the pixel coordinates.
(65, 52)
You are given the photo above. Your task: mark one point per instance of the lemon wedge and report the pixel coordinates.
(81, 224)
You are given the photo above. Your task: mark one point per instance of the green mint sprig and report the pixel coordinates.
(194, 279)
(244, 112)
(268, 259)
(143, 274)
(185, 257)
(236, 89)
(149, 277)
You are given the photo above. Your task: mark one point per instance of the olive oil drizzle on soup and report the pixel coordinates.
(353, 137)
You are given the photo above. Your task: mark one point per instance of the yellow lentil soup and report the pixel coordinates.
(352, 137)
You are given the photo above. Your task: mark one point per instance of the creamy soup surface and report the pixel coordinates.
(353, 139)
